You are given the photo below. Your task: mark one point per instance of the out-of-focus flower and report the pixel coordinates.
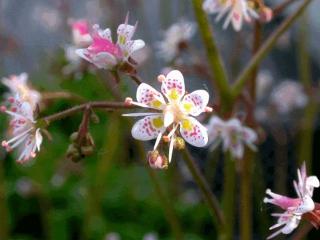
(178, 112)
(264, 82)
(112, 236)
(103, 53)
(74, 61)
(175, 39)
(302, 207)
(81, 32)
(23, 129)
(18, 84)
(49, 18)
(288, 96)
(150, 236)
(233, 135)
(238, 11)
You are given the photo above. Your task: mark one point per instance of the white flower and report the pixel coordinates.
(177, 112)
(23, 129)
(232, 134)
(103, 53)
(238, 11)
(288, 96)
(179, 33)
(295, 208)
(264, 82)
(18, 84)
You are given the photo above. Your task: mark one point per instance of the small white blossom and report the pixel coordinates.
(22, 128)
(18, 84)
(288, 96)
(103, 53)
(237, 11)
(232, 134)
(177, 112)
(178, 34)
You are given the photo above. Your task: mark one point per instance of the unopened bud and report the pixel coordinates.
(156, 160)
(87, 150)
(94, 118)
(73, 153)
(161, 78)
(74, 136)
(128, 101)
(179, 143)
(266, 14)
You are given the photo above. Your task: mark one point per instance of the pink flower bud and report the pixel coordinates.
(156, 160)
(266, 14)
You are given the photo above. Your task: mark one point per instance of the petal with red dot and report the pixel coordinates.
(148, 128)
(149, 96)
(173, 86)
(193, 132)
(195, 102)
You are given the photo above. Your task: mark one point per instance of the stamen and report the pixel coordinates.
(161, 78)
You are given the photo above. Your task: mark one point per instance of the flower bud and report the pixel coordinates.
(156, 160)
(179, 143)
(73, 153)
(266, 14)
(74, 136)
(87, 150)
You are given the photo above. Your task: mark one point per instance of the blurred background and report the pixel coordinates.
(113, 194)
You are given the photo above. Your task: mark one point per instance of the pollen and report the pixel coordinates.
(186, 124)
(157, 122)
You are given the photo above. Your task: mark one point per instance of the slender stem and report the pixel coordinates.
(246, 196)
(311, 110)
(82, 107)
(228, 198)
(136, 79)
(220, 77)
(204, 187)
(61, 94)
(265, 48)
(4, 226)
(281, 7)
(168, 209)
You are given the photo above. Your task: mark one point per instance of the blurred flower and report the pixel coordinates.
(74, 61)
(264, 82)
(150, 236)
(175, 38)
(22, 128)
(239, 10)
(80, 32)
(287, 96)
(112, 236)
(103, 53)
(295, 208)
(24, 187)
(49, 18)
(18, 85)
(233, 135)
(179, 111)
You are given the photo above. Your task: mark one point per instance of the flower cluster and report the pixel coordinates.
(177, 112)
(295, 209)
(175, 39)
(237, 11)
(22, 128)
(233, 135)
(103, 53)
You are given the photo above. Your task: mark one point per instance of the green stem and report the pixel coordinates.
(228, 198)
(168, 209)
(311, 110)
(265, 49)
(246, 196)
(204, 187)
(220, 77)
(4, 226)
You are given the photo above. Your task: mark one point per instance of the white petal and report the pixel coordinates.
(193, 132)
(149, 96)
(148, 128)
(195, 102)
(173, 86)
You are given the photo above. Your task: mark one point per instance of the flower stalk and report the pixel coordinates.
(209, 197)
(265, 49)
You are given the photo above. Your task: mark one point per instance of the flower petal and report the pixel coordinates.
(193, 132)
(173, 86)
(149, 96)
(148, 128)
(125, 33)
(195, 102)
(237, 15)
